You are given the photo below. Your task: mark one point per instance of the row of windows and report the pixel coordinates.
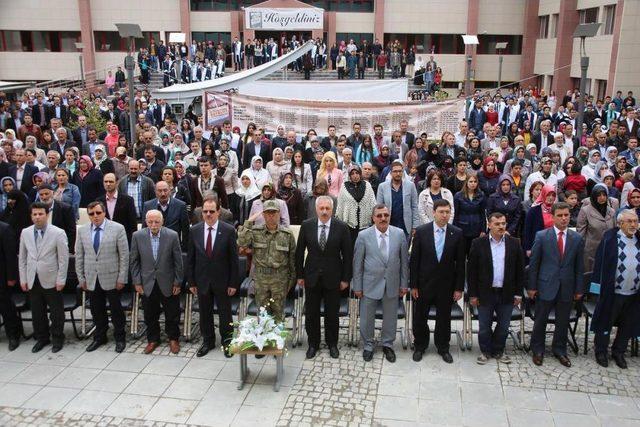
(38, 41)
(548, 24)
(328, 5)
(452, 44)
(110, 41)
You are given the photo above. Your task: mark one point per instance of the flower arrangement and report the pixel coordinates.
(259, 332)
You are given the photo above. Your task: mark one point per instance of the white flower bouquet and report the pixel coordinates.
(259, 332)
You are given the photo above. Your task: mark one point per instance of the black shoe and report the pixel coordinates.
(367, 355)
(259, 356)
(417, 355)
(446, 356)
(120, 345)
(334, 352)
(95, 344)
(14, 343)
(311, 352)
(389, 354)
(203, 350)
(56, 347)
(619, 359)
(227, 352)
(39, 345)
(602, 360)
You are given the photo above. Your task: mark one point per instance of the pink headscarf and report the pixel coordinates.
(87, 159)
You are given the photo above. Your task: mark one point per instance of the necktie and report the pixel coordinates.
(37, 237)
(323, 237)
(439, 243)
(209, 248)
(561, 243)
(383, 247)
(96, 240)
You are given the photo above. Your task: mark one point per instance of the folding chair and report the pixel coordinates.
(457, 313)
(471, 314)
(21, 302)
(291, 310)
(588, 308)
(403, 326)
(70, 295)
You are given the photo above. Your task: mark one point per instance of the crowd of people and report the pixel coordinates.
(475, 207)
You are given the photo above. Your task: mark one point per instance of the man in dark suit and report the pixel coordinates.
(555, 280)
(495, 273)
(407, 137)
(139, 187)
(544, 138)
(161, 112)
(477, 117)
(436, 276)
(62, 143)
(39, 113)
(8, 278)
(22, 172)
(58, 110)
(110, 115)
(120, 206)
(260, 149)
(325, 273)
(212, 273)
(154, 165)
(527, 114)
(62, 215)
(174, 212)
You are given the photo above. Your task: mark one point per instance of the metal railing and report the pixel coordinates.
(78, 81)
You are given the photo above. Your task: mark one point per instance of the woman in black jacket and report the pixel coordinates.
(88, 180)
(102, 161)
(292, 197)
(16, 214)
(507, 203)
(469, 207)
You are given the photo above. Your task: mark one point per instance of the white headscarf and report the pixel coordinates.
(250, 192)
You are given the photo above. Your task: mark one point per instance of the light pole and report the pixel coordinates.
(131, 32)
(80, 46)
(583, 31)
(469, 41)
(500, 47)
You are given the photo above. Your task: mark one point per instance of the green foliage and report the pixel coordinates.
(94, 118)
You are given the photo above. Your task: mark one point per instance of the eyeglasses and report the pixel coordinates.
(208, 211)
(94, 213)
(382, 215)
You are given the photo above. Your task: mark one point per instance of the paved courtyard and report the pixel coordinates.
(75, 388)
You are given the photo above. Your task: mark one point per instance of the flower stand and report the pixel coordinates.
(267, 351)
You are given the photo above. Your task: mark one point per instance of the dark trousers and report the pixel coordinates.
(492, 342)
(307, 74)
(421, 307)
(153, 304)
(381, 73)
(9, 313)
(314, 297)
(223, 303)
(361, 73)
(40, 300)
(542, 310)
(340, 73)
(98, 304)
(624, 306)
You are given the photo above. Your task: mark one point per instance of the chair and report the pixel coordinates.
(457, 313)
(291, 310)
(21, 302)
(589, 302)
(471, 313)
(403, 326)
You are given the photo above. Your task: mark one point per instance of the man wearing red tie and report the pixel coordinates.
(555, 281)
(212, 273)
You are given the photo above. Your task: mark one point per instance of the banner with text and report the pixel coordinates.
(262, 18)
(300, 116)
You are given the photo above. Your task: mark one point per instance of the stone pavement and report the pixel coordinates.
(75, 388)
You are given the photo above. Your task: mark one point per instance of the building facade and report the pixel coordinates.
(38, 37)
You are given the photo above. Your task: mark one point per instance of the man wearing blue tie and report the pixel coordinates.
(436, 278)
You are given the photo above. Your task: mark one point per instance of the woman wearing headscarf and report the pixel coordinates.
(589, 170)
(506, 202)
(329, 172)
(247, 193)
(269, 193)
(384, 159)
(539, 217)
(225, 148)
(599, 171)
(277, 166)
(594, 219)
(176, 188)
(102, 161)
(230, 178)
(111, 140)
(582, 154)
(610, 156)
(260, 175)
(88, 180)
(355, 203)
(16, 213)
(475, 162)
(633, 201)
(292, 197)
(6, 185)
(488, 177)
(469, 207)
(519, 153)
(633, 184)
(320, 188)
(38, 179)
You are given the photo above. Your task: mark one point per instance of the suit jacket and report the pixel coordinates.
(37, 116)
(166, 270)
(221, 270)
(537, 140)
(110, 264)
(124, 213)
(250, 150)
(147, 188)
(158, 117)
(551, 275)
(27, 176)
(410, 139)
(373, 275)
(64, 113)
(8, 246)
(77, 136)
(480, 269)
(433, 276)
(333, 264)
(112, 116)
(63, 217)
(409, 202)
(477, 118)
(56, 146)
(175, 218)
(49, 260)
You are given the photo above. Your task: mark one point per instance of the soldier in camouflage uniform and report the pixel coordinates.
(273, 247)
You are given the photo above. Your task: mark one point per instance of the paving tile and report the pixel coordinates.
(267, 375)
(519, 417)
(51, 398)
(202, 368)
(8, 370)
(439, 413)
(172, 410)
(131, 406)
(570, 401)
(388, 407)
(74, 377)
(98, 359)
(440, 390)
(129, 362)
(16, 394)
(398, 386)
(165, 365)
(91, 402)
(481, 393)
(38, 374)
(525, 398)
(575, 420)
(149, 385)
(475, 414)
(188, 388)
(224, 414)
(250, 416)
(226, 393)
(615, 406)
(113, 381)
(262, 395)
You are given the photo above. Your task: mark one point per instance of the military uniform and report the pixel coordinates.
(274, 262)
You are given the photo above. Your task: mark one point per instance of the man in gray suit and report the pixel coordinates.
(555, 280)
(380, 274)
(43, 260)
(401, 197)
(156, 270)
(102, 266)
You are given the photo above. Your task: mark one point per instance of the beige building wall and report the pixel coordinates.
(347, 22)
(487, 67)
(586, 4)
(628, 64)
(548, 7)
(544, 57)
(43, 15)
(599, 52)
(501, 17)
(425, 17)
(151, 15)
(210, 21)
(39, 65)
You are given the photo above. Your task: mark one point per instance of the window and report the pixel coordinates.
(427, 43)
(109, 41)
(589, 16)
(215, 37)
(488, 42)
(38, 41)
(148, 37)
(609, 19)
(555, 20)
(544, 27)
(328, 5)
(357, 37)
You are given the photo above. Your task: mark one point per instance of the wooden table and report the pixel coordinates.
(267, 351)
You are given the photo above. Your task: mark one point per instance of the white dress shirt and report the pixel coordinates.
(214, 229)
(379, 235)
(328, 224)
(498, 253)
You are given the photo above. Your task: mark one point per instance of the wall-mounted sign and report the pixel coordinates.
(260, 18)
